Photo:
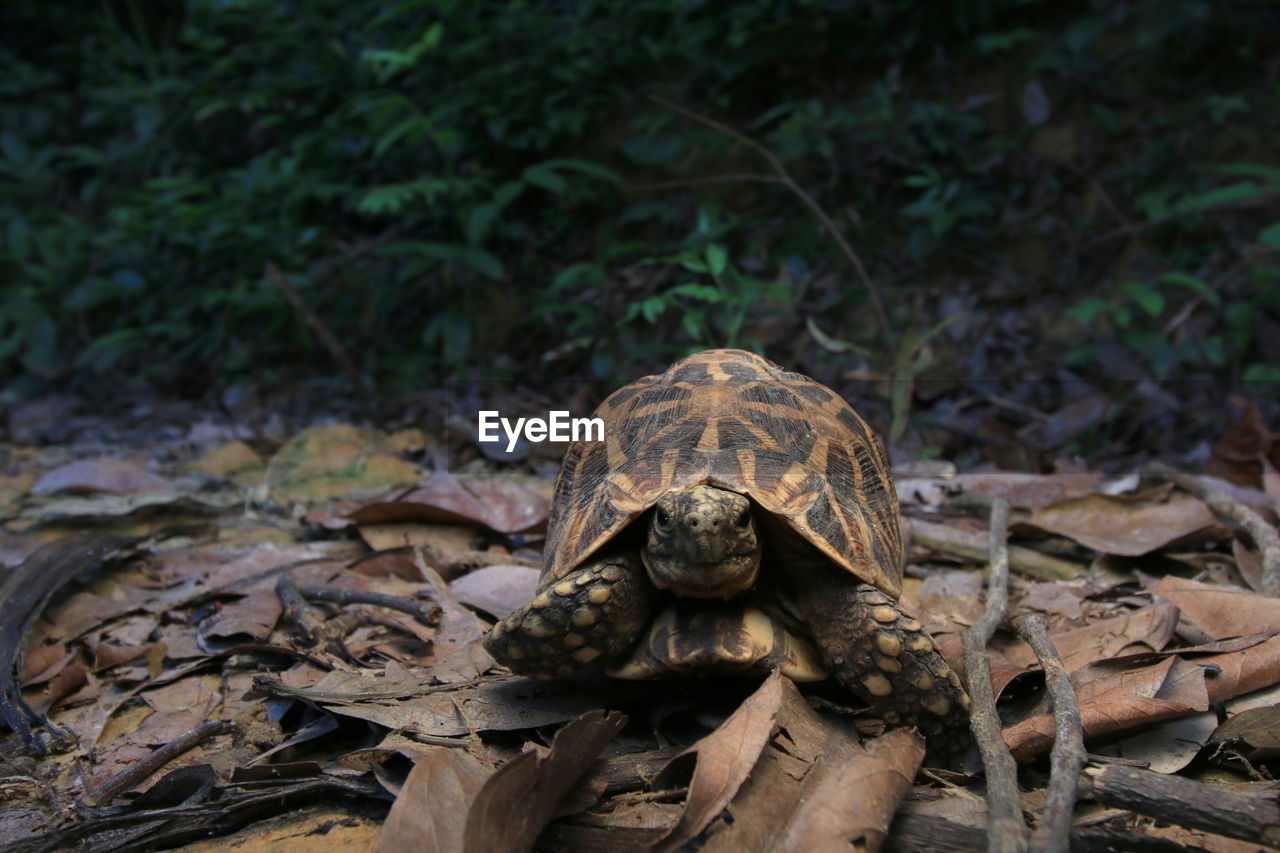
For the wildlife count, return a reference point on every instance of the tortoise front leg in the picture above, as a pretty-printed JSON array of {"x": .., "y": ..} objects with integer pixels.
[
  {"x": 594, "y": 613},
  {"x": 884, "y": 657}
]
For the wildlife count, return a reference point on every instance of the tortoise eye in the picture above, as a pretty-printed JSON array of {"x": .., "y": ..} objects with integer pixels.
[
  {"x": 745, "y": 518},
  {"x": 663, "y": 518}
]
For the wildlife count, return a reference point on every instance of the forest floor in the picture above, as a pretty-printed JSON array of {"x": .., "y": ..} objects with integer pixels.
[{"x": 237, "y": 628}]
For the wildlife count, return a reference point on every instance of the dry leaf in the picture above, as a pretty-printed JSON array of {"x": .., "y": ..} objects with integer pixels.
[
  {"x": 498, "y": 504},
  {"x": 1221, "y": 611},
  {"x": 1151, "y": 626},
  {"x": 430, "y": 811},
  {"x": 818, "y": 789},
  {"x": 724, "y": 759},
  {"x": 497, "y": 590},
  {"x": 100, "y": 475},
  {"x": 1128, "y": 528},
  {"x": 1171, "y": 688},
  {"x": 517, "y": 801},
  {"x": 326, "y": 462},
  {"x": 1029, "y": 491}
]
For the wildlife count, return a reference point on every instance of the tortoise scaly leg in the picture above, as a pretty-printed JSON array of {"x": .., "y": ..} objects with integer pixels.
[
  {"x": 592, "y": 614},
  {"x": 884, "y": 657}
]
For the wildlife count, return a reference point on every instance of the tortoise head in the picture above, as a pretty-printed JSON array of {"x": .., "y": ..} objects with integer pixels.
[{"x": 702, "y": 543}]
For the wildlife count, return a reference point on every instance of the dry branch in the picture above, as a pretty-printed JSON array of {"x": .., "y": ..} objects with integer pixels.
[
  {"x": 1189, "y": 803},
  {"x": 1008, "y": 830},
  {"x": 975, "y": 546},
  {"x": 1207, "y": 490},
  {"x": 1068, "y": 756},
  {"x": 140, "y": 770}
]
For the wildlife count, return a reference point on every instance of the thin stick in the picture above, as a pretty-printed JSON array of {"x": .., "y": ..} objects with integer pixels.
[
  {"x": 1008, "y": 832},
  {"x": 786, "y": 179},
  {"x": 139, "y": 770},
  {"x": 1068, "y": 756},
  {"x": 1206, "y": 489},
  {"x": 427, "y": 615}
]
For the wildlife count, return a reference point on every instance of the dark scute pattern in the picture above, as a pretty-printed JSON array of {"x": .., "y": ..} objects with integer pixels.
[
  {"x": 823, "y": 521},
  {"x": 734, "y": 435},
  {"x": 814, "y": 392},
  {"x": 853, "y": 422},
  {"x": 738, "y": 370},
  {"x": 793, "y": 435},
  {"x": 690, "y": 373},
  {"x": 772, "y": 395}
]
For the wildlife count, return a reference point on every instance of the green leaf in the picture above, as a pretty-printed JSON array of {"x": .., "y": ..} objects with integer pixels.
[
  {"x": 700, "y": 292},
  {"x": 1146, "y": 296},
  {"x": 717, "y": 259},
  {"x": 1265, "y": 379},
  {"x": 1225, "y": 195},
  {"x": 541, "y": 176},
  {"x": 652, "y": 308},
  {"x": 692, "y": 322},
  {"x": 1251, "y": 170},
  {"x": 386, "y": 199},
  {"x": 587, "y": 168},
  {"x": 584, "y": 272},
  {"x": 1085, "y": 311},
  {"x": 1192, "y": 283},
  {"x": 1213, "y": 351},
  {"x": 1270, "y": 235}
]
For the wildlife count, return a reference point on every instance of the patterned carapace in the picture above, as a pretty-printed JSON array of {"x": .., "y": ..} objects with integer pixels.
[{"x": 734, "y": 420}]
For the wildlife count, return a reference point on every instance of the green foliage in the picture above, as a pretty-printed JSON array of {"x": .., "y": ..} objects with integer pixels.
[{"x": 464, "y": 187}]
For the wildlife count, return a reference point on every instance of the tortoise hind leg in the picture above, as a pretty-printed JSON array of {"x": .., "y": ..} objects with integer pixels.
[
  {"x": 592, "y": 614},
  {"x": 884, "y": 657}
]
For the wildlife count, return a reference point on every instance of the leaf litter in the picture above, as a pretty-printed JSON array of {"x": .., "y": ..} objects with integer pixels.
[{"x": 346, "y": 695}]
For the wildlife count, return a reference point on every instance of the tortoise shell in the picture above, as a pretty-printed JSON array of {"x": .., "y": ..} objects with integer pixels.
[{"x": 731, "y": 419}]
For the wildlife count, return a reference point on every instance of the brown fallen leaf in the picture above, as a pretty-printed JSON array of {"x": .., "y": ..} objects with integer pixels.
[
  {"x": 516, "y": 802},
  {"x": 429, "y": 814},
  {"x": 246, "y": 620},
  {"x": 818, "y": 789},
  {"x": 1029, "y": 491},
  {"x": 1151, "y": 626},
  {"x": 1124, "y": 700},
  {"x": 103, "y": 474},
  {"x": 1247, "y": 444},
  {"x": 235, "y": 461},
  {"x": 1221, "y": 611},
  {"x": 500, "y": 505},
  {"x": 497, "y": 590},
  {"x": 1125, "y": 527},
  {"x": 1257, "y": 727},
  {"x": 724, "y": 760}
]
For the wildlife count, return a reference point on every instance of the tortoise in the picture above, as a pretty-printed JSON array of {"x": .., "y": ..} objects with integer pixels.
[{"x": 735, "y": 518}]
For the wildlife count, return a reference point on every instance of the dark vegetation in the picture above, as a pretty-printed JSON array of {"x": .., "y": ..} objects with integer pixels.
[{"x": 1039, "y": 193}]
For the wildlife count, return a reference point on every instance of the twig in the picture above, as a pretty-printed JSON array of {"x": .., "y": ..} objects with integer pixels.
[
  {"x": 1008, "y": 829},
  {"x": 785, "y": 178},
  {"x": 296, "y": 609},
  {"x": 139, "y": 770},
  {"x": 974, "y": 546},
  {"x": 1186, "y": 802},
  {"x": 322, "y": 331},
  {"x": 1263, "y": 534},
  {"x": 1068, "y": 756},
  {"x": 342, "y": 595}
]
